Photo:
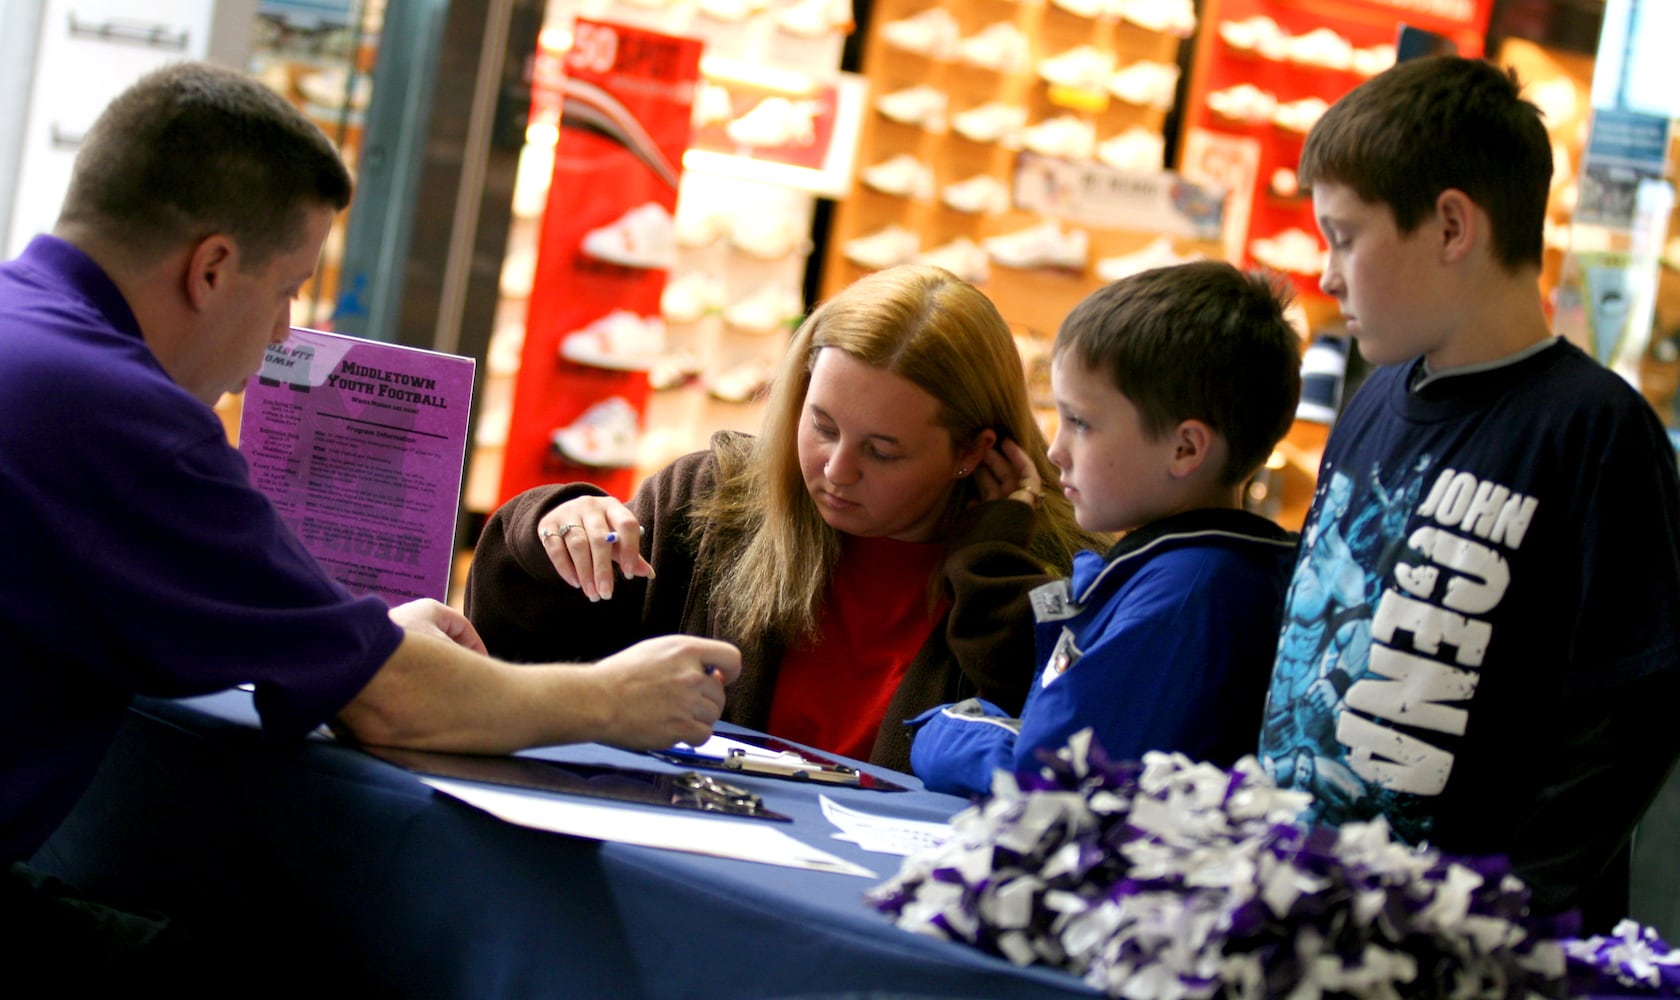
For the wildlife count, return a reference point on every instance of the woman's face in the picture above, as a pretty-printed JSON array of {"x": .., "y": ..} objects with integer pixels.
[{"x": 875, "y": 460}]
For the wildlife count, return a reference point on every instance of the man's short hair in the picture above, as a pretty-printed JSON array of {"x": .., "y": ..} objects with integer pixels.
[
  {"x": 1439, "y": 123},
  {"x": 1199, "y": 341},
  {"x": 194, "y": 149}
]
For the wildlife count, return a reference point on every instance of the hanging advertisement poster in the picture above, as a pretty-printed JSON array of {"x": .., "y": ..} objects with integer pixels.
[
  {"x": 1096, "y": 194},
  {"x": 593, "y": 327},
  {"x": 359, "y": 445},
  {"x": 1625, "y": 149}
]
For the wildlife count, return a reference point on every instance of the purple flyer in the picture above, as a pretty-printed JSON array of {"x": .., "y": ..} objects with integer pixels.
[{"x": 360, "y": 446}]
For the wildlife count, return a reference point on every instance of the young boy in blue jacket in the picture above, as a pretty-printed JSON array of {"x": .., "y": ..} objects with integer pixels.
[{"x": 1172, "y": 387}]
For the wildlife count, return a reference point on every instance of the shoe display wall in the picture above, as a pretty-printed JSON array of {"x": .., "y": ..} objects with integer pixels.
[
  {"x": 1263, "y": 73},
  {"x": 959, "y": 93},
  {"x": 728, "y": 259}
]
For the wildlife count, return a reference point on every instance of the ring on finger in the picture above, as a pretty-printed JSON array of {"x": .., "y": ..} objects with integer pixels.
[{"x": 560, "y": 533}]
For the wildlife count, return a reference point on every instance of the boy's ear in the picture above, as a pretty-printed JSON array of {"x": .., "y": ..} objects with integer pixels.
[
  {"x": 1461, "y": 224},
  {"x": 1193, "y": 446}
]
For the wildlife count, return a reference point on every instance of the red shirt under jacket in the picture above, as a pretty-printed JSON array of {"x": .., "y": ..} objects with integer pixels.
[{"x": 832, "y": 692}]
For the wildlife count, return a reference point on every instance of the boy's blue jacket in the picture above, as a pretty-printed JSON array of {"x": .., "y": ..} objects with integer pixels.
[{"x": 1165, "y": 643}]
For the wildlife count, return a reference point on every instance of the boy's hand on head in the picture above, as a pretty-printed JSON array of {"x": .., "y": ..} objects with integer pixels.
[{"x": 1007, "y": 473}]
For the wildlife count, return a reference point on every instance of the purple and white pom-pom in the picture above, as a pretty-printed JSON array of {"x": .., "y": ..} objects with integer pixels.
[
  {"x": 1166, "y": 879},
  {"x": 1631, "y": 960}
]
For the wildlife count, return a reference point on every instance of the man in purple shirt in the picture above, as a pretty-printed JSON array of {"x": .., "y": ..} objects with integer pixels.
[{"x": 144, "y": 562}]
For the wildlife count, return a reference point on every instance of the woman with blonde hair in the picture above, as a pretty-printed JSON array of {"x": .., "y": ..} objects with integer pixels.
[{"x": 870, "y": 551}]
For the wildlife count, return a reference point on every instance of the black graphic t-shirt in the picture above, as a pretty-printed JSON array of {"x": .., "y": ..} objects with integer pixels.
[{"x": 1491, "y": 559}]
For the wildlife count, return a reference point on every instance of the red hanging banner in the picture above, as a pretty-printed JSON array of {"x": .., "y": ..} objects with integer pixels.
[{"x": 607, "y": 244}]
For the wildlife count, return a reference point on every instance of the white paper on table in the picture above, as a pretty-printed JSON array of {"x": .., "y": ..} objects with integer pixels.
[
  {"x": 745, "y": 839},
  {"x": 721, "y": 746},
  {"x": 883, "y": 834}
]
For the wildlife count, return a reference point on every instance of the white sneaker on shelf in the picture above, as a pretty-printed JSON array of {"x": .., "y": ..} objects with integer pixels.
[
  {"x": 691, "y": 296},
  {"x": 1299, "y": 116},
  {"x": 1084, "y": 67},
  {"x": 699, "y": 224},
  {"x": 816, "y": 18},
  {"x": 773, "y": 308},
  {"x": 775, "y": 121},
  {"x": 1000, "y": 46},
  {"x": 1259, "y": 34},
  {"x": 994, "y": 121},
  {"x": 769, "y": 236},
  {"x": 1083, "y": 8},
  {"x": 743, "y": 383},
  {"x": 933, "y": 32},
  {"x": 884, "y": 247},
  {"x": 1158, "y": 252},
  {"x": 1373, "y": 60},
  {"x": 603, "y": 436},
  {"x": 1321, "y": 47},
  {"x": 519, "y": 273},
  {"x": 673, "y": 370},
  {"x": 981, "y": 194},
  {"x": 643, "y": 237},
  {"x": 1243, "y": 103},
  {"x": 619, "y": 340},
  {"x": 903, "y": 175},
  {"x": 1064, "y": 136},
  {"x": 1146, "y": 83},
  {"x": 1170, "y": 17},
  {"x": 1293, "y": 250},
  {"x": 732, "y": 11},
  {"x": 920, "y": 105},
  {"x": 492, "y": 425},
  {"x": 962, "y": 257},
  {"x": 1137, "y": 150},
  {"x": 712, "y": 104},
  {"x": 507, "y": 348},
  {"x": 1042, "y": 245}
]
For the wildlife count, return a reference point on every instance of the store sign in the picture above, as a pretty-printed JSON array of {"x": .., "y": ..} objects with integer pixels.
[
  {"x": 1624, "y": 150},
  {"x": 1094, "y": 194}
]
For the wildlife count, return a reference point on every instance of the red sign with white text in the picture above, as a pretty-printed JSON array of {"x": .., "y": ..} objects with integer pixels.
[{"x": 607, "y": 244}]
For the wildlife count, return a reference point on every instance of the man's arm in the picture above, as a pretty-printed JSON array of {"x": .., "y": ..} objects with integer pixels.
[{"x": 436, "y": 692}]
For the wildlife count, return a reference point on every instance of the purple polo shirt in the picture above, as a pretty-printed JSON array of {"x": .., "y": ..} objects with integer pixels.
[{"x": 140, "y": 559}]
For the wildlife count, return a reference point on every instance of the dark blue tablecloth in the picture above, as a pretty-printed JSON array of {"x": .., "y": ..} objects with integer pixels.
[{"x": 321, "y": 861}]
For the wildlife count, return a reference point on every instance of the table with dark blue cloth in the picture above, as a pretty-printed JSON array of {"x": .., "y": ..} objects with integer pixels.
[{"x": 338, "y": 868}]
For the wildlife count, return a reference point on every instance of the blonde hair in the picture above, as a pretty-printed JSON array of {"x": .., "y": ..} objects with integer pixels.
[{"x": 927, "y": 326}]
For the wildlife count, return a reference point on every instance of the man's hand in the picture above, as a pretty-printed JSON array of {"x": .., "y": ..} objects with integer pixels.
[
  {"x": 665, "y": 690},
  {"x": 429, "y": 617}
]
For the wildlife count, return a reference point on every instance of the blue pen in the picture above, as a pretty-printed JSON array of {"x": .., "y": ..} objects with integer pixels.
[{"x": 612, "y": 536}]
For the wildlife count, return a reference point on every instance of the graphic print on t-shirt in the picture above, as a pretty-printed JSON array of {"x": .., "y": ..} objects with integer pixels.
[{"x": 1384, "y": 631}]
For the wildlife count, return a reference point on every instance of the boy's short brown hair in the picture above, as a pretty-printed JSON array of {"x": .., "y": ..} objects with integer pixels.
[
  {"x": 1429, "y": 125},
  {"x": 1199, "y": 341}
]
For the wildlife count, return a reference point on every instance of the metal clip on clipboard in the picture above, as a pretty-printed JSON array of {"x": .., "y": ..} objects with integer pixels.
[{"x": 688, "y": 790}]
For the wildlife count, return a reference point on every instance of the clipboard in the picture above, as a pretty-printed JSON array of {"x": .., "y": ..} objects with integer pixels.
[
  {"x": 775, "y": 758},
  {"x": 688, "y": 790}
]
